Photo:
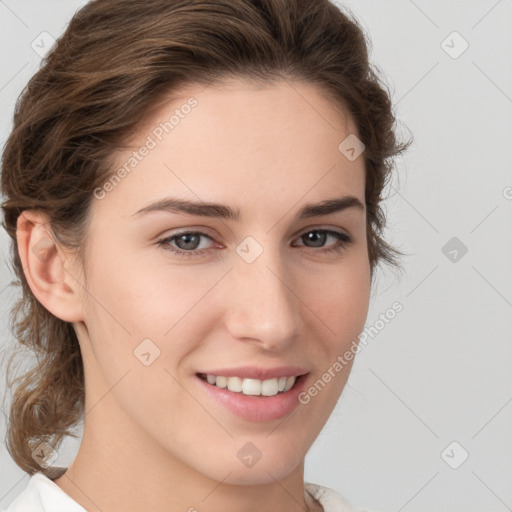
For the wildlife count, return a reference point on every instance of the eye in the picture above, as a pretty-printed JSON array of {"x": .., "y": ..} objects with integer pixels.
[
  {"x": 187, "y": 243},
  {"x": 318, "y": 237}
]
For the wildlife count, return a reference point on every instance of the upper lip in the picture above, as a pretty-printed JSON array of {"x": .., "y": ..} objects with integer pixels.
[{"x": 254, "y": 372}]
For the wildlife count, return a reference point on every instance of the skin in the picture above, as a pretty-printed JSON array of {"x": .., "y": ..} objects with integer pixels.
[{"x": 153, "y": 440}]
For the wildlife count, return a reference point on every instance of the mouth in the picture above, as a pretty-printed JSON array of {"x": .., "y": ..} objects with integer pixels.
[
  {"x": 254, "y": 394},
  {"x": 250, "y": 386}
]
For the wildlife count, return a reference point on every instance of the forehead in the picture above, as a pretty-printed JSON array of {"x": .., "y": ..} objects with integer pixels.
[{"x": 258, "y": 143}]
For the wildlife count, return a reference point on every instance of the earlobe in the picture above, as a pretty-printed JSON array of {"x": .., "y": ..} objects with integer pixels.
[{"x": 45, "y": 265}]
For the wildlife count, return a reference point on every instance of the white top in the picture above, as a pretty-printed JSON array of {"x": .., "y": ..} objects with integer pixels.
[{"x": 43, "y": 495}]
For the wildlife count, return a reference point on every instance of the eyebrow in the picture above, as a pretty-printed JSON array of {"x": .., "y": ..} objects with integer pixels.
[{"x": 216, "y": 210}]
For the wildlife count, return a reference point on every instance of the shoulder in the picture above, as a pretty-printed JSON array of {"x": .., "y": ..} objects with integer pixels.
[
  {"x": 43, "y": 495},
  {"x": 330, "y": 500}
]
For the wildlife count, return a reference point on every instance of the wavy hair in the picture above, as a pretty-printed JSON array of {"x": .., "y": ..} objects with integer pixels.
[{"x": 117, "y": 61}]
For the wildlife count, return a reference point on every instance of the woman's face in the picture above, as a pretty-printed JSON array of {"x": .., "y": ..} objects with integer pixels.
[{"x": 250, "y": 289}]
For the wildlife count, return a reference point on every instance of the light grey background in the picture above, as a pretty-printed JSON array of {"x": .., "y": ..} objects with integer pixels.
[{"x": 439, "y": 372}]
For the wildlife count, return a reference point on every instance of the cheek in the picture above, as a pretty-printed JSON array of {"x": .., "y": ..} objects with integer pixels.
[
  {"x": 341, "y": 296},
  {"x": 133, "y": 317},
  {"x": 147, "y": 297},
  {"x": 341, "y": 307}
]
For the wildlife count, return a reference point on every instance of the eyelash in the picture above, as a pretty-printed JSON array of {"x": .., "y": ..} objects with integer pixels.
[{"x": 343, "y": 240}]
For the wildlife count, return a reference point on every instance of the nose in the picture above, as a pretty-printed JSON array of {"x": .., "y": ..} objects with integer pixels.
[{"x": 264, "y": 307}]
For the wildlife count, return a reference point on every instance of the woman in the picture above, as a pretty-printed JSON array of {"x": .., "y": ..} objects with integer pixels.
[{"x": 193, "y": 194}]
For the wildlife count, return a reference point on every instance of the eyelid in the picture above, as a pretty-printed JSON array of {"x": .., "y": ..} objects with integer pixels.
[
  {"x": 204, "y": 231},
  {"x": 322, "y": 227},
  {"x": 343, "y": 240}
]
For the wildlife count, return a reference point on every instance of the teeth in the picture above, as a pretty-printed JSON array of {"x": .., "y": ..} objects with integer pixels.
[
  {"x": 254, "y": 387},
  {"x": 290, "y": 381},
  {"x": 251, "y": 387},
  {"x": 269, "y": 387},
  {"x": 234, "y": 384},
  {"x": 221, "y": 382}
]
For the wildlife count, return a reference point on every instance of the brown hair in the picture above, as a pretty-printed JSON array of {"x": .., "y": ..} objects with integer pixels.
[{"x": 117, "y": 60}]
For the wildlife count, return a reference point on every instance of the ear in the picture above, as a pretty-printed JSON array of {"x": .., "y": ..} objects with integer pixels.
[{"x": 48, "y": 268}]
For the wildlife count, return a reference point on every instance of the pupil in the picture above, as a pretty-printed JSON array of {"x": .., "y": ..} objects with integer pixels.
[
  {"x": 187, "y": 238},
  {"x": 319, "y": 237}
]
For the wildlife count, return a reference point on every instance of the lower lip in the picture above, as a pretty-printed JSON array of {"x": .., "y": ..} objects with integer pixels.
[{"x": 257, "y": 408}]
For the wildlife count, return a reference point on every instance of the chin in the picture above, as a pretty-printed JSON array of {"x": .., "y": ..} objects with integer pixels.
[
  {"x": 260, "y": 474},
  {"x": 261, "y": 469}
]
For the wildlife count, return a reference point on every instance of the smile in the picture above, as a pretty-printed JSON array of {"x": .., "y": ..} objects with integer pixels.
[
  {"x": 255, "y": 394},
  {"x": 252, "y": 387}
]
